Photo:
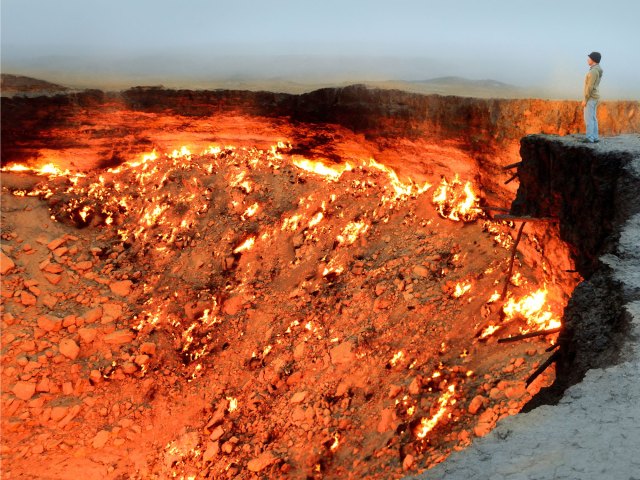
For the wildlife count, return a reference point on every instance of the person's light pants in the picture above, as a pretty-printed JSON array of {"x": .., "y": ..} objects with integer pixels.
[{"x": 591, "y": 120}]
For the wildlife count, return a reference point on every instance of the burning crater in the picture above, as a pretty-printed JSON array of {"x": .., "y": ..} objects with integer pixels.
[{"x": 260, "y": 291}]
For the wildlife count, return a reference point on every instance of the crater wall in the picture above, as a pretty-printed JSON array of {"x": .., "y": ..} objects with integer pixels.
[{"x": 593, "y": 430}]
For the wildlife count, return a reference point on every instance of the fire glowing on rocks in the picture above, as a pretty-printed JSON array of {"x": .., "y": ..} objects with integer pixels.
[
  {"x": 331, "y": 172},
  {"x": 533, "y": 309},
  {"x": 455, "y": 201},
  {"x": 351, "y": 232},
  {"x": 48, "y": 169},
  {"x": 351, "y": 247},
  {"x": 400, "y": 187},
  {"x": 445, "y": 400},
  {"x": 488, "y": 331},
  {"x": 396, "y": 358},
  {"x": 233, "y": 404},
  {"x": 250, "y": 211},
  {"x": 461, "y": 288},
  {"x": 245, "y": 246}
]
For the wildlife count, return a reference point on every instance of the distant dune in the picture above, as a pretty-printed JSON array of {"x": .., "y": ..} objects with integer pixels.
[
  {"x": 19, "y": 84},
  {"x": 458, "y": 86}
]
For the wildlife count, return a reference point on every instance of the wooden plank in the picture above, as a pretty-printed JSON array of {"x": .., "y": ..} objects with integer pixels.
[
  {"x": 523, "y": 218},
  {"x": 513, "y": 165},
  {"x": 515, "y": 338},
  {"x": 511, "y": 179},
  {"x": 553, "y": 358},
  {"x": 513, "y": 257}
]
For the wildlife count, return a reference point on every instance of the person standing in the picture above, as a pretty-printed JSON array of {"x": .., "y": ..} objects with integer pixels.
[{"x": 592, "y": 96}]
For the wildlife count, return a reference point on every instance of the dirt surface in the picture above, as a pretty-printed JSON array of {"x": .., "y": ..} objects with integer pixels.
[{"x": 228, "y": 313}]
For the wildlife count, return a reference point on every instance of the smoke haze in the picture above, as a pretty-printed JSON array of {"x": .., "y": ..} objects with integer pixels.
[{"x": 539, "y": 47}]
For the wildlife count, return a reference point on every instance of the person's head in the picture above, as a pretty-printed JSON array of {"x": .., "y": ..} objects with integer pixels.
[{"x": 593, "y": 58}]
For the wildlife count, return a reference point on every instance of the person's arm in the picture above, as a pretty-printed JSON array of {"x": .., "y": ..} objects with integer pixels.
[{"x": 589, "y": 83}]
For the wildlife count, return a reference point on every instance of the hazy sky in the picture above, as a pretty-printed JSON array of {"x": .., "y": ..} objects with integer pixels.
[{"x": 527, "y": 43}]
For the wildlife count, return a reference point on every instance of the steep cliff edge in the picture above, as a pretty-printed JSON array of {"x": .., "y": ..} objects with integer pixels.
[
  {"x": 108, "y": 127},
  {"x": 592, "y": 193},
  {"x": 593, "y": 431}
]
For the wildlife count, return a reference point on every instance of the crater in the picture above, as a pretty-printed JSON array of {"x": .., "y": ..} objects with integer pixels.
[{"x": 315, "y": 286}]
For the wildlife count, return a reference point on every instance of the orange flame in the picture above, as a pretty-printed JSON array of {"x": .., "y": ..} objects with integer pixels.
[
  {"x": 316, "y": 219},
  {"x": 400, "y": 187},
  {"x": 500, "y": 237},
  {"x": 490, "y": 330},
  {"x": 233, "y": 404},
  {"x": 182, "y": 153},
  {"x": 16, "y": 168},
  {"x": 396, "y": 357},
  {"x": 518, "y": 280},
  {"x": 534, "y": 309},
  {"x": 245, "y": 246},
  {"x": 250, "y": 211},
  {"x": 331, "y": 172},
  {"x": 494, "y": 297},
  {"x": 351, "y": 232},
  {"x": 427, "y": 424},
  {"x": 291, "y": 223},
  {"x": 48, "y": 169},
  {"x": 335, "y": 444},
  {"x": 456, "y": 203},
  {"x": 461, "y": 289}
]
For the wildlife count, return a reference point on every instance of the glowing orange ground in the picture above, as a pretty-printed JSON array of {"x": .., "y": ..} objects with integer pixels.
[{"x": 255, "y": 312}]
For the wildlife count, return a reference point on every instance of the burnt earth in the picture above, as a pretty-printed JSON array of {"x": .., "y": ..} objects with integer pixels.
[{"x": 230, "y": 308}]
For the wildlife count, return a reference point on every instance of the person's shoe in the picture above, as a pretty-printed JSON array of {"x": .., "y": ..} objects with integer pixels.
[
  {"x": 586, "y": 140},
  {"x": 596, "y": 141}
]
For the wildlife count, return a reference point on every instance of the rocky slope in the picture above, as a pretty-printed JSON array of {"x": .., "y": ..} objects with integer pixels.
[{"x": 234, "y": 312}]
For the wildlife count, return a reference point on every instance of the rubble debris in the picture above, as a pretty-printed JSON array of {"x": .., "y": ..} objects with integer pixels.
[{"x": 245, "y": 310}]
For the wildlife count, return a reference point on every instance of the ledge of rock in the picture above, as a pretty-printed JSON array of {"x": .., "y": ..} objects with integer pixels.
[{"x": 593, "y": 431}]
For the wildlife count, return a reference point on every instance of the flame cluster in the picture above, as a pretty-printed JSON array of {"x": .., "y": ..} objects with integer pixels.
[
  {"x": 534, "y": 309},
  {"x": 160, "y": 202},
  {"x": 456, "y": 201},
  {"x": 442, "y": 406},
  {"x": 331, "y": 172},
  {"x": 461, "y": 288},
  {"x": 48, "y": 169}
]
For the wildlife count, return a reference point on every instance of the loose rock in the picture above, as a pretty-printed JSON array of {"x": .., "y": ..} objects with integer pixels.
[
  {"x": 298, "y": 397},
  {"x": 122, "y": 287},
  {"x": 476, "y": 404},
  {"x": 24, "y": 390},
  {"x": 87, "y": 335},
  {"x": 101, "y": 439},
  {"x": 119, "y": 337},
  {"x": 93, "y": 315},
  {"x": 69, "y": 348},
  {"x": 6, "y": 264},
  {"x": 342, "y": 354},
  {"x": 49, "y": 323},
  {"x": 262, "y": 462}
]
